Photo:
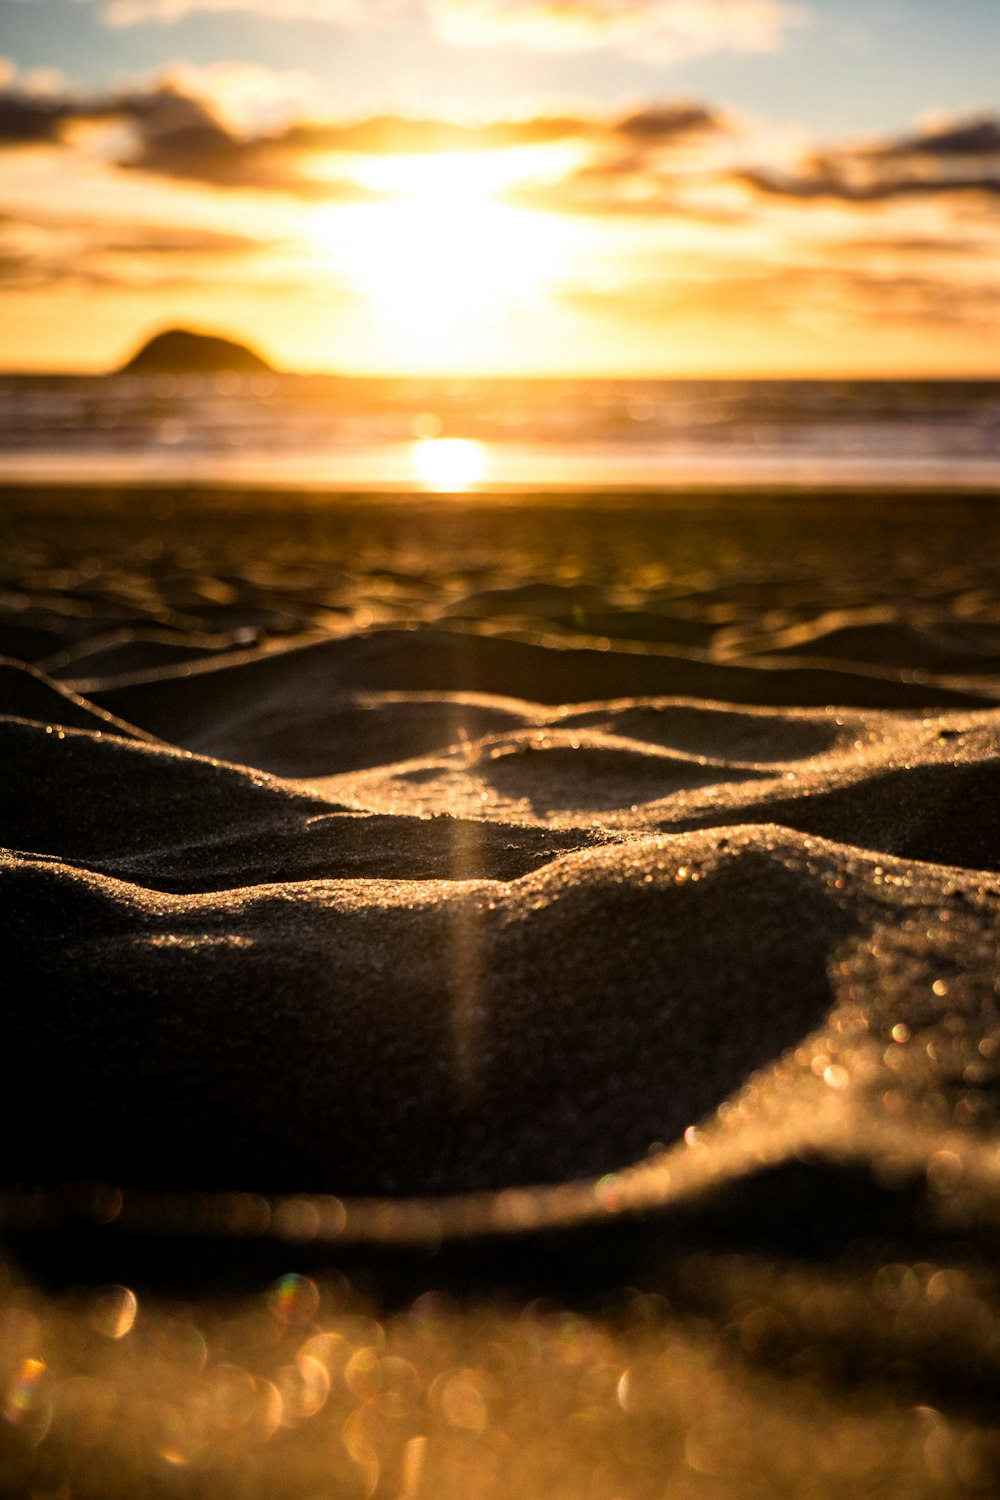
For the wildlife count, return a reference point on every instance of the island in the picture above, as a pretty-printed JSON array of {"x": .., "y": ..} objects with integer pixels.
[{"x": 178, "y": 351}]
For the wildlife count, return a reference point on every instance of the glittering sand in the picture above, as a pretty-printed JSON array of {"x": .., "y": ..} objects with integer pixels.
[{"x": 484, "y": 899}]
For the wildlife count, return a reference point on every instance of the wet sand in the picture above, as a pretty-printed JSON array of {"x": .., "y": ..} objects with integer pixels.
[{"x": 587, "y": 894}]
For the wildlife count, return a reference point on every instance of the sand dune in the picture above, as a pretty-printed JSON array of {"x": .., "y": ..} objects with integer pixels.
[
  {"x": 431, "y": 660},
  {"x": 652, "y": 957}
]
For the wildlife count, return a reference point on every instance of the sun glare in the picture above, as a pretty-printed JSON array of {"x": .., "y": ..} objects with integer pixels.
[
  {"x": 440, "y": 257},
  {"x": 449, "y": 465}
]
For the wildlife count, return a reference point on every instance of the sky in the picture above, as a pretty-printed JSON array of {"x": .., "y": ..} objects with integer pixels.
[{"x": 634, "y": 187}]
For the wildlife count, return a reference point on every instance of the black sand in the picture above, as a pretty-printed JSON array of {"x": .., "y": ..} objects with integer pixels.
[{"x": 459, "y": 874}]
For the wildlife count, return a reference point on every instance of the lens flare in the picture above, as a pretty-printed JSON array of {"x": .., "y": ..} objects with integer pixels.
[
  {"x": 23, "y": 1392},
  {"x": 294, "y": 1299}
]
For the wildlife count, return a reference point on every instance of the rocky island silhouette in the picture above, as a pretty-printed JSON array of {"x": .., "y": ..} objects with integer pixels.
[{"x": 181, "y": 351}]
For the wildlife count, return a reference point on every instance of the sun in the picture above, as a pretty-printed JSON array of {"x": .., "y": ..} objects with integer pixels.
[{"x": 441, "y": 255}]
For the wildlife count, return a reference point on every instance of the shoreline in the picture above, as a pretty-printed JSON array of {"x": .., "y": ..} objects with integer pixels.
[{"x": 409, "y": 496}]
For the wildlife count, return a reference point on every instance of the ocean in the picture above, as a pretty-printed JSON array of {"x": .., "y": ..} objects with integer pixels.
[{"x": 365, "y": 434}]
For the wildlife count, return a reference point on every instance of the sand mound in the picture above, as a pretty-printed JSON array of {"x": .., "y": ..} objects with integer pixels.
[
  {"x": 435, "y": 661},
  {"x": 503, "y": 1028},
  {"x": 185, "y": 823},
  {"x": 943, "y": 814},
  {"x": 876, "y": 637}
]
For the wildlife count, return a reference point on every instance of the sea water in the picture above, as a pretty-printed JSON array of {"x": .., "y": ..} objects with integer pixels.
[{"x": 347, "y": 434}]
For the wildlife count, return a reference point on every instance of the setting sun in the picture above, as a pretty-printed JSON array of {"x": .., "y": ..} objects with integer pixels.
[{"x": 441, "y": 252}]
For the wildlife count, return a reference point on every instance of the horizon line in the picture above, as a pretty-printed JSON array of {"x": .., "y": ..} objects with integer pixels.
[{"x": 482, "y": 377}]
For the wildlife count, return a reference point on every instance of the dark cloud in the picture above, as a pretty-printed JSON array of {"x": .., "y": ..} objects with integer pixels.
[
  {"x": 666, "y": 123},
  {"x": 655, "y": 160},
  {"x": 178, "y": 135},
  {"x": 26, "y": 120},
  {"x": 841, "y": 185},
  {"x": 962, "y": 157},
  {"x": 975, "y": 138}
]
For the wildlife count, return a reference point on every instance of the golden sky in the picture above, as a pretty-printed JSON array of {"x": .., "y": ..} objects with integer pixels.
[{"x": 591, "y": 208}]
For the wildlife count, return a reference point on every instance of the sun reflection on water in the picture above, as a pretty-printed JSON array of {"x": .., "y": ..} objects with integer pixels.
[{"x": 449, "y": 465}]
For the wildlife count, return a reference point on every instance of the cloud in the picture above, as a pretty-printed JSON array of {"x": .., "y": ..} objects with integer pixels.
[
  {"x": 790, "y": 294},
  {"x": 182, "y": 137},
  {"x": 179, "y": 136},
  {"x": 912, "y": 245},
  {"x": 836, "y": 186},
  {"x": 731, "y": 226},
  {"x": 974, "y": 138},
  {"x": 248, "y": 98},
  {"x": 660, "y": 124},
  {"x": 392, "y": 135},
  {"x": 348, "y": 13},
  {"x": 719, "y": 291},
  {"x": 236, "y": 129},
  {"x": 687, "y": 161},
  {"x": 204, "y": 126},
  {"x": 959, "y": 158},
  {"x": 169, "y": 240},
  {"x": 26, "y": 119},
  {"x": 397, "y": 135},
  {"x": 18, "y": 269},
  {"x": 658, "y": 31},
  {"x": 622, "y": 189},
  {"x": 908, "y": 299},
  {"x": 653, "y": 199},
  {"x": 39, "y": 250},
  {"x": 642, "y": 163},
  {"x": 132, "y": 237}
]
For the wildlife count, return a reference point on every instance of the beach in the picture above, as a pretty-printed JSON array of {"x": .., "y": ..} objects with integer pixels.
[{"x": 507, "y": 985}]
